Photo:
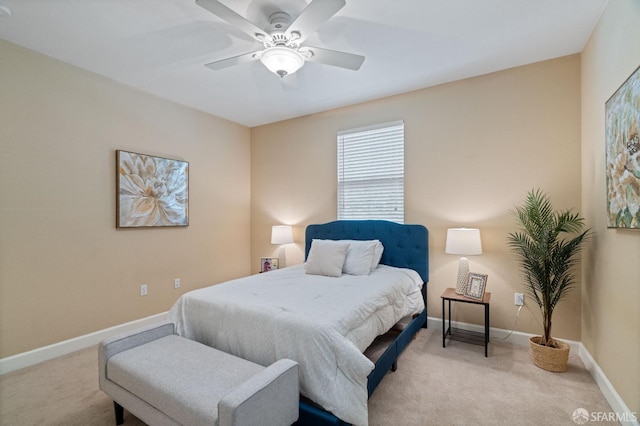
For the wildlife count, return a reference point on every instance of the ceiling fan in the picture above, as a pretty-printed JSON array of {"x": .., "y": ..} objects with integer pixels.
[{"x": 283, "y": 53}]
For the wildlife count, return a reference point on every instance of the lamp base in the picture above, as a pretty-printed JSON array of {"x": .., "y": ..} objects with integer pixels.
[
  {"x": 282, "y": 257},
  {"x": 463, "y": 271}
]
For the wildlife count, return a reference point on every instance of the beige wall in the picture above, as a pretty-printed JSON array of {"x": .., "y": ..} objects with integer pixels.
[
  {"x": 65, "y": 270},
  {"x": 473, "y": 149},
  {"x": 611, "y": 288}
]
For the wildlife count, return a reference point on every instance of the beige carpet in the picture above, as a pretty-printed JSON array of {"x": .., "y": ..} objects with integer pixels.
[{"x": 456, "y": 385}]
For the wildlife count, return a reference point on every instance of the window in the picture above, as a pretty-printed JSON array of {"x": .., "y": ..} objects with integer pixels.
[{"x": 371, "y": 173}]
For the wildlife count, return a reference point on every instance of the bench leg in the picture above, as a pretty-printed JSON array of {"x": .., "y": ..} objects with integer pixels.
[{"x": 119, "y": 413}]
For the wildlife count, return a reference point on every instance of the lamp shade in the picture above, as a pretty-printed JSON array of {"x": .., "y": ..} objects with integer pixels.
[
  {"x": 281, "y": 60},
  {"x": 281, "y": 234},
  {"x": 463, "y": 241}
]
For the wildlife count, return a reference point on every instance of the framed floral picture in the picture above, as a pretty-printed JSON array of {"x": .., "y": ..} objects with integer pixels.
[
  {"x": 151, "y": 191},
  {"x": 622, "y": 135}
]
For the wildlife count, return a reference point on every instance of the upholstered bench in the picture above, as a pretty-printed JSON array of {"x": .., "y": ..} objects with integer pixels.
[{"x": 164, "y": 379}]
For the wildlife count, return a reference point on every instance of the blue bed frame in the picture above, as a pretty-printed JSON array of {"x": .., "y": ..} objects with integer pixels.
[{"x": 405, "y": 246}]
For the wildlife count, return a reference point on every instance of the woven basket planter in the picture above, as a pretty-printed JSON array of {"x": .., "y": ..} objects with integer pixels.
[{"x": 548, "y": 358}]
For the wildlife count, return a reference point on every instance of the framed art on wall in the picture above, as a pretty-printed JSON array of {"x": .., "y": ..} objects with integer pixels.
[
  {"x": 622, "y": 136},
  {"x": 151, "y": 191}
]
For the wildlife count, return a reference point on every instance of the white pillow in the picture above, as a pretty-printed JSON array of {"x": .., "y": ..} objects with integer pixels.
[
  {"x": 359, "y": 257},
  {"x": 377, "y": 255},
  {"x": 326, "y": 257}
]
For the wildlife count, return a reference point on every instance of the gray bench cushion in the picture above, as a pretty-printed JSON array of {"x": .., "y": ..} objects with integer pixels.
[{"x": 184, "y": 394}]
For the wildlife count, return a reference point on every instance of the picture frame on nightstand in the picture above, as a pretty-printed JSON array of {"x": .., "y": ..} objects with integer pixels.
[
  {"x": 268, "y": 264},
  {"x": 476, "y": 284}
]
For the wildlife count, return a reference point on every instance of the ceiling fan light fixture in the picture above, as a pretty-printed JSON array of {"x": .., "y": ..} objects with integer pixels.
[{"x": 281, "y": 60}]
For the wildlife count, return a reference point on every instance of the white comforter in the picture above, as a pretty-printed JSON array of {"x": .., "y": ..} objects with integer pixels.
[{"x": 322, "y": 323}]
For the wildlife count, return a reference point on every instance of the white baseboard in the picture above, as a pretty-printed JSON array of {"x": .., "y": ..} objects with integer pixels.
[
  {"x": 607, "y": 389},
  {"x": 45, "y": 353},
  {"x": 625, "y": 416}
]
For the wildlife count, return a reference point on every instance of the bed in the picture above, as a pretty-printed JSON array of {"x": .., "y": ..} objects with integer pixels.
[{"x": 345, "y": 331}]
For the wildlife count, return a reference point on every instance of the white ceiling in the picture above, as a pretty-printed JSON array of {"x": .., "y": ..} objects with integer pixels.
[{"x": 161, "y": 46}]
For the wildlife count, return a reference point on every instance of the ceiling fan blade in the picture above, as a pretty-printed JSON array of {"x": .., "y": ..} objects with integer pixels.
[
  {"x": 335, "y": 58},
  {"x": 238, "y": 21},
  {"x": 314, "y": 15},
  {"x": 229, "y": 62}
]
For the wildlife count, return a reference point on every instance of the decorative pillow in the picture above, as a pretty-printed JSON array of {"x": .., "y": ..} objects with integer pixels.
[
  {"x": 359, "y": 257},
  {"x": 326, "y": 257}
]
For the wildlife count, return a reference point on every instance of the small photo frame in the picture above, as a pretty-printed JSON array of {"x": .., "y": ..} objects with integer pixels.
[
  {"x": 476, "y": 284},
  {"x": 268, "y": 264}
]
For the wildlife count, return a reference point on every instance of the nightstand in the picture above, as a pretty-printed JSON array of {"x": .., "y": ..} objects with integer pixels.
[{"x": 473, "y": 337}]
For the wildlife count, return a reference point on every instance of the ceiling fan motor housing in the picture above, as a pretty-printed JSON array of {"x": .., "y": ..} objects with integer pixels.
[{"x": 280, "y": 21}]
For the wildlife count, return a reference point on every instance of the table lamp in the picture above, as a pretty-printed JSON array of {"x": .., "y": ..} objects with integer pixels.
[
  {"x": 281, "y": 234},
  {"x": 464, "y": 242}
]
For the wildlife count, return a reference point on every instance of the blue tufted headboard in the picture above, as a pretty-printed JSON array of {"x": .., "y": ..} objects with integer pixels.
[{"x": 405, "y": 246}]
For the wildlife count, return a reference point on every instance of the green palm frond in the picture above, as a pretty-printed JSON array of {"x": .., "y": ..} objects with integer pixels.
[{"x": 547, "y": 256}]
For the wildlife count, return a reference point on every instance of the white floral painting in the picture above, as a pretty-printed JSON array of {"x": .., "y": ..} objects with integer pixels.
[
  {"x": 623, "y": 154},
  {"x": 152, "y": 191}
]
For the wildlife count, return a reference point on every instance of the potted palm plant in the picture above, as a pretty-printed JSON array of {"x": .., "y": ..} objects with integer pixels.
[{"x": 547, "y": 245}]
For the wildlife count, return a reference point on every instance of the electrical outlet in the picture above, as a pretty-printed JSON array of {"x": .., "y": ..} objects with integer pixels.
[
  {"x": 143, "y": 290},
  {"x": 176, "y": 283},
  {"x": 518, "y": 299}
]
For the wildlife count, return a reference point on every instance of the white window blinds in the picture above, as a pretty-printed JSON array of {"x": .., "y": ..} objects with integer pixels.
[{"x": 371, "y": 173}]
